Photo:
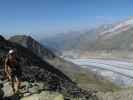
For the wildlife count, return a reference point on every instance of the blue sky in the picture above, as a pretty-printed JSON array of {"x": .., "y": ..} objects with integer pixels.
[{"x": 53, "y": 16}]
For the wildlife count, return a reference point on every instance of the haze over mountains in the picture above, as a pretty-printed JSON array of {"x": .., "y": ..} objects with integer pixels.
[{"x": 115, "y": 36}]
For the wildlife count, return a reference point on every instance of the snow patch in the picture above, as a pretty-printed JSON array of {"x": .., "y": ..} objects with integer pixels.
[{"x": 122, "y": 26}]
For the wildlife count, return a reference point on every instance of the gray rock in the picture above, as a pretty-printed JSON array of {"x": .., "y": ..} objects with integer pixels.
[
  {"x": 45, "y": 95},
  {"x": 7, "y": 90}
]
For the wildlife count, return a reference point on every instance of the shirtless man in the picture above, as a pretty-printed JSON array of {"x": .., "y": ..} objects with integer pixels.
[{"x": 13, "y": 70}]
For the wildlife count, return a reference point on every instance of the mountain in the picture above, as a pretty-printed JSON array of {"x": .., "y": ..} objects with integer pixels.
[
  {"x": 119, "y": 37},
  {"x": 74, "y": 39},
  {"x": 115, "y": 36},
  {"x": 33, "y": 45},
  {"x": 42, "y": 79},
  {"x": 36, "y": 70},
  {"x": 84, "y": 78},
  {"x": 117, "y": 28}
]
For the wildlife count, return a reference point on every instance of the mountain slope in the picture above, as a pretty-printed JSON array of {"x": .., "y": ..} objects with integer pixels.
[
  {"x": 28, "y": 57},
  {"x": 35, "y": 69}
]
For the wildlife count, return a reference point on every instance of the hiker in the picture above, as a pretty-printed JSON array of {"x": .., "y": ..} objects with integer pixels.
[{"x": 12, "y": 70}]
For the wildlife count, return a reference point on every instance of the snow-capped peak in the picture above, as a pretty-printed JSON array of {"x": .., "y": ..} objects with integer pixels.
[{"x": 119, "y": 27}]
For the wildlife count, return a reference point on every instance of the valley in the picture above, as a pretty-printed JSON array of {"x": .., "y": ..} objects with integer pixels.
[{"x": 119, "y": 72}]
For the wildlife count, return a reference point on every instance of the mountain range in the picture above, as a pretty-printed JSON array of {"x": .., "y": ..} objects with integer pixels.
[
  {"x": 41, "y": 66},
  {"x": 115, "y": 36}
]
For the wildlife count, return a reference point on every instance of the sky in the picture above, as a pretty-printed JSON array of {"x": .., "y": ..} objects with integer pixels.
[{"x": 48, "y": 17}]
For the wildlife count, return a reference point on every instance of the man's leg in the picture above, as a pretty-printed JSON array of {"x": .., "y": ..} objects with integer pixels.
[
  {"x": 13, "y": 85},
  {"x": 8, "y": 74},
  {"x": 18, "y": 84}
]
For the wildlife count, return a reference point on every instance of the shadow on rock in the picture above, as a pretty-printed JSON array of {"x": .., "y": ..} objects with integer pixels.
[{"x": 14, "y": 97}]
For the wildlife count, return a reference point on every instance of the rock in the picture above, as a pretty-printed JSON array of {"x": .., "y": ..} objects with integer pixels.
[
  {"x": 25, "y": 86},
  {"x": 7, "y": 90},
  {"x": 34, "y": 89},
  {"x": 29, "y": 91},
  {"x": 45, "y": 95},
  {"x": 32, "y": 97},
  {"x": 27, "y": 94},
  {"x": 40, "y": 85}
]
